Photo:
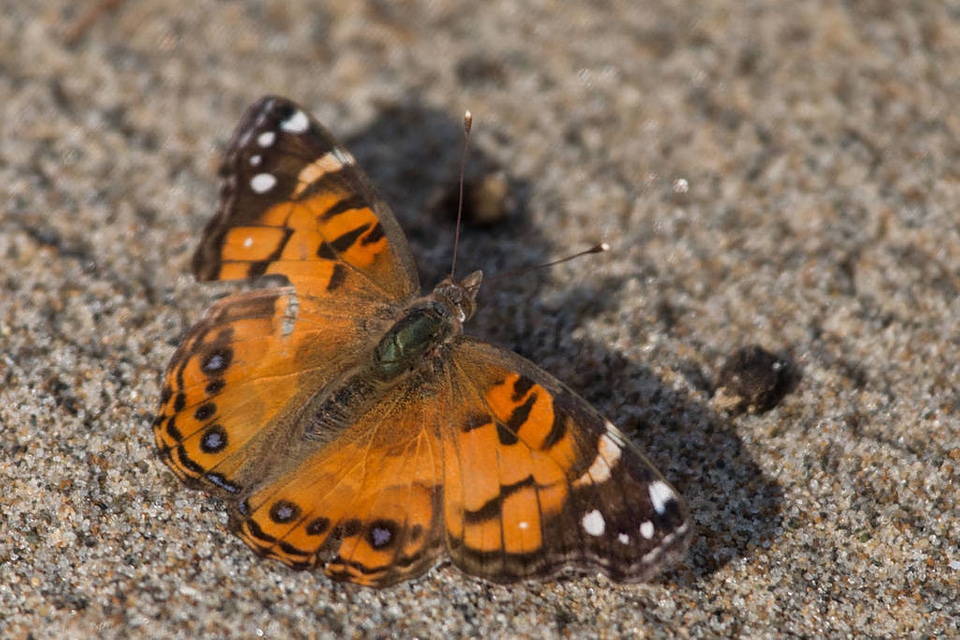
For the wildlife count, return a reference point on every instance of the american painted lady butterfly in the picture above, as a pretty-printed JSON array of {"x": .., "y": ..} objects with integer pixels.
[{"x": 350, "y": 424}]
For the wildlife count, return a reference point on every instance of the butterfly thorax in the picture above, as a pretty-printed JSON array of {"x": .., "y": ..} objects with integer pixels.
[
  {"x": 410, "y": 347},
  {"x": 426, "y": 325}
]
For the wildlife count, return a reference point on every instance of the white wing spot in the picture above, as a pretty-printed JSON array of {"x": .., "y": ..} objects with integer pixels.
[
  {"x": 623, "y": 538},
  {"x": 615, "y": 434},
  {"x": 608, "y": 454},
  {"x": 248, "y": 242},
  {"x": 297, "y": 123},
  {"x": 610, "y": 450},
  {"x": 215, "y": 363},
  {"x": 593, "y": 523},
  {"x": 660, "y": 495},
  {"x": 255, "y": 160},
  {"x": 647, "y": 529},
  {"x": 290, "y": 315},
  {"x": 267, "y": 138},
  {"x": 380, "y": 536},
  {"x": 262, "y": 182},
  {"x": 650, "y": 557},
  {"x": 523, "y": 525}
]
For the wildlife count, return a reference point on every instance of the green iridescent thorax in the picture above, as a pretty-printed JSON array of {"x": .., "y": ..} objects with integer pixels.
[{"x": 427, "y": 325}]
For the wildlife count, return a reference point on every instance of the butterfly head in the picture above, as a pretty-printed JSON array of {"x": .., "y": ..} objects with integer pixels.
[{"x": 460, "y": 297}]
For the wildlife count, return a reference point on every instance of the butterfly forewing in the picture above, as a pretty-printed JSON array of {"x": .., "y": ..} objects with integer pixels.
[
  {"x": 367, "y": 506},
  {"x": 538, "y": 481},
  {"x": 294, "y": 203}
]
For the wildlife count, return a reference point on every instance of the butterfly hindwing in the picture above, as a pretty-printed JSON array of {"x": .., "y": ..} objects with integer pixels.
[
  {"x": 517, "y": 475},
  {"x": 367, "y": 506}
]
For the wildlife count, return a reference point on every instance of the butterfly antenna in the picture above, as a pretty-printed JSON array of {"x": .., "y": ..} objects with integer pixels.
[
  {"x": 597, "y": 248},
  {"x": 467, "y": 123}
]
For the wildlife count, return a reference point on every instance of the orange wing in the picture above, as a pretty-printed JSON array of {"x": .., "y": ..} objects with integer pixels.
[
  {"x": 480, "y": 454},
  {"x": 536, "y": 480},
  {"x": 241, "y": 380},
  {"x": 367, "y": 505},
  {"x": 292, "y": 204}
]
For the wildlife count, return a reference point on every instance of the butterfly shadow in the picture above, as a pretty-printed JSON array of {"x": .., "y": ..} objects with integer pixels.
[{"x": 413, "y": 154}]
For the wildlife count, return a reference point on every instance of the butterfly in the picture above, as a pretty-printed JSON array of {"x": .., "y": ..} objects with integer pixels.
[{"x": 350, "y": 424}]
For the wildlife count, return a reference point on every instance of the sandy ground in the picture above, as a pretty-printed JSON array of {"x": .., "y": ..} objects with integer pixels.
[{"x": 773, "y": 173}]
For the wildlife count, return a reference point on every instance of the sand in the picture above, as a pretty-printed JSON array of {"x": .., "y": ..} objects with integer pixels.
[{"x": 781, "y": 174}]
